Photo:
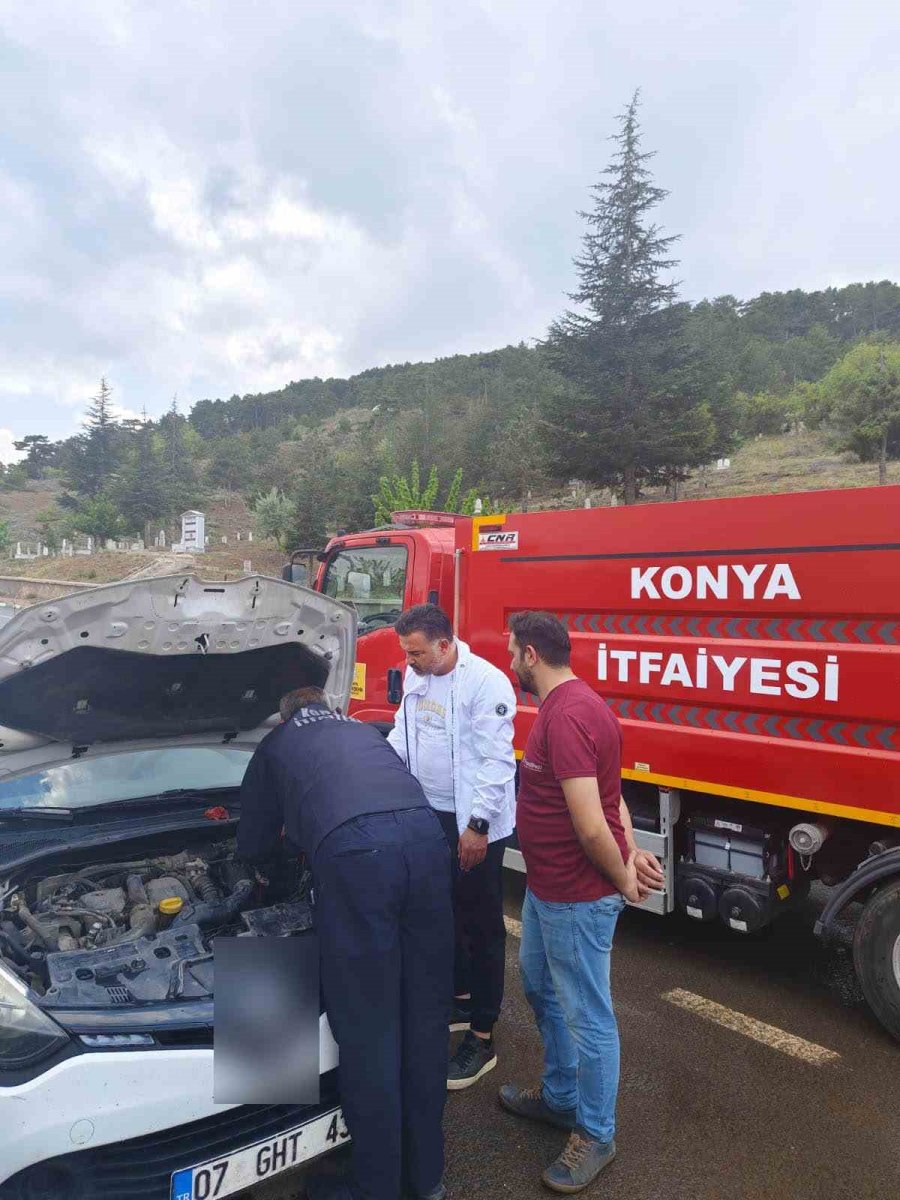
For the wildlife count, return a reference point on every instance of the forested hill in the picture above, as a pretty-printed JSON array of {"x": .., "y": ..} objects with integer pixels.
[
  {"x": 310, "y": 458},
  {"x": 767, "y": 344}
]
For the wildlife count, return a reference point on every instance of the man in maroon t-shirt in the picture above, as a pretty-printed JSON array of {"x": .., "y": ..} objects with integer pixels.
[{"x": 582, "y": 865}]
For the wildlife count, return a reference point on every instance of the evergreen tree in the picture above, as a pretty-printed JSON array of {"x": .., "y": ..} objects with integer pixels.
[
  {"x": 140, "y": 487},
  {"x": 232, "y": 464},
  {"x": 178, "y": 461},
  {"x": 631, "y": 412},
  {"x": 275, "y": 517},
  {"x": 39, "y": 454},
  {"x": 90, "y": 458}
]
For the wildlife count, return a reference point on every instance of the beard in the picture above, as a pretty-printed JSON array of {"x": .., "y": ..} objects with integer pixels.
[{"x": 526, "y": 678}]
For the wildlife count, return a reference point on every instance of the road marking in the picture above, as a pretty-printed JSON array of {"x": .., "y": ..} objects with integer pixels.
[
  {"x": 768, "y": 1035},
  {"x": 513, "y": 926}
]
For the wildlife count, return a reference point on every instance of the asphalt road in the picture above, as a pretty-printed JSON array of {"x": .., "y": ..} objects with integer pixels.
[{"x": 706, "y": 1111}]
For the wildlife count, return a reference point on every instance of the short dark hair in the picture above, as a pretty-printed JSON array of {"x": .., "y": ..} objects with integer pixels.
[
  {"x": 300, "y": 698},
  {"x": 427, "y": 619},
  {"x": 545, "y": 633}
]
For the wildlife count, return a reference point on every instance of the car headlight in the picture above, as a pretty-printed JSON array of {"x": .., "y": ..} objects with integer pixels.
[{"x": 26, "y": 1032}]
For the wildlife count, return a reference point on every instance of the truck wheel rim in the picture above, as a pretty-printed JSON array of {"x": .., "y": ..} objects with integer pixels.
[{"x": 897, "y": 962}]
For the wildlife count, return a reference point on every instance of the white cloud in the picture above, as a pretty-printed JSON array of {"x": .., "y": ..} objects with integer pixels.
[
  {"x": 234, "y": 201},
  {"x": 8, "y": 452}
]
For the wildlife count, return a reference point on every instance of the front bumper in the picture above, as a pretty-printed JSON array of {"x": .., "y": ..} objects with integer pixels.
[
  {"x": 142, "y": 1168},
  {"x": 124, "y": 1120}
]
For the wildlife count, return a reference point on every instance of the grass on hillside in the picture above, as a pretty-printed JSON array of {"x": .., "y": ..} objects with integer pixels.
[
  {"x": 102, "y": 567},
  {"x": 800, "y": 462}
]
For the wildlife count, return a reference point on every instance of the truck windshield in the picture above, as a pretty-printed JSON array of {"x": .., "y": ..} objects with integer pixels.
[{"x": 372, "y": 580}]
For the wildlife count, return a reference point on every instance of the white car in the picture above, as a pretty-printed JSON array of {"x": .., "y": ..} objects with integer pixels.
[{"x": 127, "y": 717}]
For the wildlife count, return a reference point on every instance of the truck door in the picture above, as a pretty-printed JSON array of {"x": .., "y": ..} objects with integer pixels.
[{"x": 375, "y": 580}]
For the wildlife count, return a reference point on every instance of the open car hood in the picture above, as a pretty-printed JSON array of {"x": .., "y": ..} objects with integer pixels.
[{"x": 167, "y": 661}]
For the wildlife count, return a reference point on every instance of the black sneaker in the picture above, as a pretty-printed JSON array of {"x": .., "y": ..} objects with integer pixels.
[
  {"x": 474, "y": 1058},
  {"x": 439, "y": 1193},
  {"x": 460, "y": 1018},
  {"x": 530, "y": 1103},
  {"x": 579, "y": 1164}
]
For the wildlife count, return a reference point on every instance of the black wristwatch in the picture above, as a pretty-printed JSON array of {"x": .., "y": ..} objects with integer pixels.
[{"x": 479, "y": 825}]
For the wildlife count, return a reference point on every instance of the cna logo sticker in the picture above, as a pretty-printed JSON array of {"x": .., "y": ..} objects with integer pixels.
[{"x": 499, "y": 539}]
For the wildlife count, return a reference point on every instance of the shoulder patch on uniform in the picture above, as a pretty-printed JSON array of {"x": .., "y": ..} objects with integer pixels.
[{"x": 501, "y": 710}]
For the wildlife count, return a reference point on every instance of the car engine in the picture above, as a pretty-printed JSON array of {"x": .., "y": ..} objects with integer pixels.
[{"x": 141, "y": 931}]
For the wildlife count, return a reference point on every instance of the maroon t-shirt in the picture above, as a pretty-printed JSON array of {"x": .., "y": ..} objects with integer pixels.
[{"x": 574, "y": 736}]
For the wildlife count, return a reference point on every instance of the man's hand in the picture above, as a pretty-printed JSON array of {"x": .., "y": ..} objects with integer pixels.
[
  {"x": 472, "y": 849},
  {"x": 630, "y": 888},
  {"x": 649, "y": 873}
]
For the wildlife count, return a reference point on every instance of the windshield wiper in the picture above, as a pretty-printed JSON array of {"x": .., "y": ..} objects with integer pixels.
[
  {"x": 173, "y": 794},
  {"x": 43, "y": 812},
  {"x": 40, "y": 812}
]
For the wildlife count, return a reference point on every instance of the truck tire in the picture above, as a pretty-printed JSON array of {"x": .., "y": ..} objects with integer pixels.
[{"x": 876, "y": 954}]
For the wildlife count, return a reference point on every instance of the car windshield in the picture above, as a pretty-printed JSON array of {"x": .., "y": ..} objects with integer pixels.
[{"x": 126, "y": 776}]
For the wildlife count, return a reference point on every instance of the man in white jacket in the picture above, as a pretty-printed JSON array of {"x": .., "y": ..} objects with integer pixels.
[{"x": 454, "y": 730}]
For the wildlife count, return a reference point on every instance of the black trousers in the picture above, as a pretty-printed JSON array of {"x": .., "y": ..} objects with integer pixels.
[
  {"x": 479, "y": 930},
  {"x": 385, "y": 928}
]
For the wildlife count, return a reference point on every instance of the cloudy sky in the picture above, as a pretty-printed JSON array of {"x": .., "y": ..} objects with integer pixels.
[{"x": 203, "y": 197}]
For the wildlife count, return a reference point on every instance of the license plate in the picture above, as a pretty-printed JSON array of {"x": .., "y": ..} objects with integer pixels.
[{"x": 243, "y": 1168}]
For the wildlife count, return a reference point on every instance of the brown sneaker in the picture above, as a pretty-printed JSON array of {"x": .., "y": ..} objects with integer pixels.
[
  {"x": 530, "y": 1103},
  {"x": 579, "y": 1164}
]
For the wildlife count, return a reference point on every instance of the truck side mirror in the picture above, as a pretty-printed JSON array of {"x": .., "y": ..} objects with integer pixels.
[
  {"x": 294, "y": 572},
  {"x": 394, "y": 686}
]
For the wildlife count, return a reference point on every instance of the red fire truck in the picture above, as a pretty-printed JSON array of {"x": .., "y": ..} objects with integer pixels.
[{"x": 750, "y": 648}]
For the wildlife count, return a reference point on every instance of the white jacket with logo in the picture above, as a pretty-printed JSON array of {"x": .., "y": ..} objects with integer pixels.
[{"x": 480, "y": 731}]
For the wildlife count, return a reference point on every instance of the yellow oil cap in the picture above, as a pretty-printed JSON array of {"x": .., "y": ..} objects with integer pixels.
[{"x": 171, "y": 906}]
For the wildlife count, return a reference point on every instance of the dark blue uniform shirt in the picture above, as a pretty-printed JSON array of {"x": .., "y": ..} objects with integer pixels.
[{"x": 314, "y": 773}]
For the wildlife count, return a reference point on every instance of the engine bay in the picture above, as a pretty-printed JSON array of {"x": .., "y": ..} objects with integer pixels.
[{"x": 141, "y": 929}]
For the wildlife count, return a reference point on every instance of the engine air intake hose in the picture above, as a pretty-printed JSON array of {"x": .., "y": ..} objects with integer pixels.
[{"x": 216, "y": 912}]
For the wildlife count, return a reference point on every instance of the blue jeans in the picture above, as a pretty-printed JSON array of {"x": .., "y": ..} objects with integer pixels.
[{"x": 565, "y": 970}]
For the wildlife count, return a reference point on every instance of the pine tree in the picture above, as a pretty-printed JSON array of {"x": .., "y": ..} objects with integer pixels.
[
  {"x": 39, "y": 453},
  {"x": 140, "y": 487},
  {"x": 630, "y": 413},
  {"x": 178, "y": 461},
  {"x": 91, "y": 458}
]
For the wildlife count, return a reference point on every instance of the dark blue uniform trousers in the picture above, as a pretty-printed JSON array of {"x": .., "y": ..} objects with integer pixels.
[{"x": 385, "y": 923}]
